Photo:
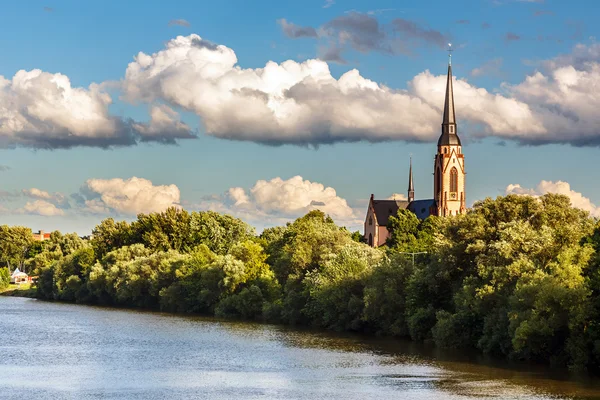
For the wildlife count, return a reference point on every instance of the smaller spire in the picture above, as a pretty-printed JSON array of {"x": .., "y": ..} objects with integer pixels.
[{"x": 411, "y": 187}]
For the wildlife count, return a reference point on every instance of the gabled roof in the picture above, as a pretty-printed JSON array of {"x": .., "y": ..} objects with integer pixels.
[
  {"x": 16, "y": 272},
  {"x": 385, "y": 208}
]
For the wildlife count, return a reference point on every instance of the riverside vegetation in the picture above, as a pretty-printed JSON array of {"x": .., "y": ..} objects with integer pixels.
[{"x": 516, "y": 277}]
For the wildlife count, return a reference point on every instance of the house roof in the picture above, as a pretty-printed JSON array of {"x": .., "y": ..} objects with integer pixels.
[
  {"x": 386, "y": 208},
  {"x": 16, "y": 272}
]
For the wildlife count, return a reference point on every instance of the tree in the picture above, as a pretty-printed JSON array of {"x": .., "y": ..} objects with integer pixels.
[
  {"x": 109, "y": 236},
  {"x": 217, "y": 231},
  {"x": 15, "y": 243}
]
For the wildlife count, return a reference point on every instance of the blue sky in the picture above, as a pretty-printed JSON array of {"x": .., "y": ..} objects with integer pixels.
[{"x": 498, "y": 44}]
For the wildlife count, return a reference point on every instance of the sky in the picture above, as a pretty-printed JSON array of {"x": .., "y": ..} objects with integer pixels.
[{"x": 266, "y": 110}]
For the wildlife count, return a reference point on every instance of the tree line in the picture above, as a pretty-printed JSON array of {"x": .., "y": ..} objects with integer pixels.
[{"x": 516, "y": 277}]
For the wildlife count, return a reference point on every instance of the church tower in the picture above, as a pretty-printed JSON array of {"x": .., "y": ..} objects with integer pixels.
[{"x": 449, "y": 166}]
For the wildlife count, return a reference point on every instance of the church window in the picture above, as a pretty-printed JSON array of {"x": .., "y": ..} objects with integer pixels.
[
  {"x": 370, "y": 220},
  {"x": 445, "y": 151},
  {"x": 451, "y": 129},
  {"x": 453, "y": 180},
  {"x": 439, "y": 183}
]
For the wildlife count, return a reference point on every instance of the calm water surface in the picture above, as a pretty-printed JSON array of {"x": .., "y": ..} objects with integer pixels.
[{"x": 60, "y": 351}]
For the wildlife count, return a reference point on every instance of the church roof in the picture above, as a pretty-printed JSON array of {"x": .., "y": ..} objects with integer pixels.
[
  {"x": 446, "y": 137},
  {"x": 386, "y": 208},
  {"x": 421, "y": 208}
]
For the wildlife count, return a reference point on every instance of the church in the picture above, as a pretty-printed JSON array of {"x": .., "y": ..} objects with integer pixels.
[{"x": 448, "y": 182}]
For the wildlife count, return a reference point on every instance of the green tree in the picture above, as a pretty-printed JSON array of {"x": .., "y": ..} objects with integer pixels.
[
  {"x": 15, "y": 243},
  {"x": 109, "y": 236}
]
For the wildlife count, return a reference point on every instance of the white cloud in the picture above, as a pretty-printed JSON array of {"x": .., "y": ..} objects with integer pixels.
[
  {"x": 131, "y": 196},
  {"x": 41, "y": 207},
  {"x": 42, "y": 110},
  {"x": 278, "y": 201},
  {"x": 560, "y": 187},
  {"x": 290, "y": 102},
  {"x": 57, "y": 199},
  {"x": 302, "y": 103}
]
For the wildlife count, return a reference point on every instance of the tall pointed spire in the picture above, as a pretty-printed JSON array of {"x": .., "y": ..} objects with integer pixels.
[
  {"x": 449, "y": 132},
  {"x": 411, "y": 187},
  {"x": 449, "y": 116}
]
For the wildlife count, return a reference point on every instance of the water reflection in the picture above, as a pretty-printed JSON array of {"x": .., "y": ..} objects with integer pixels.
[{"x": 56, "y": 351}]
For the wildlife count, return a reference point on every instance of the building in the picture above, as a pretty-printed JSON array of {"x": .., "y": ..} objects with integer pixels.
[
  {"x": 18, "y": 277},
  {"x": 41, "y": 236},
  {"x": 448, "y": 181}
]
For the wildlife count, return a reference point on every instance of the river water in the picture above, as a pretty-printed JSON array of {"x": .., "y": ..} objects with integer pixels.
[{"x": 63, "y": 351}]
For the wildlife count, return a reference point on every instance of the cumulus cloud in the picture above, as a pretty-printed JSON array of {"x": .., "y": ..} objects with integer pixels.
[
  {"x": 291, "y": 102},
  {"x": 56, "y": 199},
  {"x": 302, "y": 103},
  {"x": 559, "y": 187},
  {"x": 127, "y": 196},
  {"x": 277, "y": 201},
  {"x": 41, "y": 207},
  {"x": 42, "y": 110}
]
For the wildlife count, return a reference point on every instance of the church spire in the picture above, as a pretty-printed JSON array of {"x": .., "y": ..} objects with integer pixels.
[
  {"x": 449, "y": 132},
  {"x": 411, "y": 187}
]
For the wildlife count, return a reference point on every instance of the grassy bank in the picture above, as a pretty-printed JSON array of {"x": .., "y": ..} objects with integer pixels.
[{"x": 24, "y": 290}]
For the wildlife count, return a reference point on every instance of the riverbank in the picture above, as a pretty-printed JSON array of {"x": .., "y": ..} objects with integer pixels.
[{"x": 19, "y": 291}]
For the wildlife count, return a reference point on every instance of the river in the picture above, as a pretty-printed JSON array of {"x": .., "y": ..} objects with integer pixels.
[{"x": 64, "y": 351}]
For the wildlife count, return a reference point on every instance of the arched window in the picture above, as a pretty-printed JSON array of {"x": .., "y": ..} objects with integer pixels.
[
  {"x": 370, "y": 220},
  {"x": 371, "y": 239},
  {"x": 453, "y": 180},
  {"x": 440, "y": 180}
]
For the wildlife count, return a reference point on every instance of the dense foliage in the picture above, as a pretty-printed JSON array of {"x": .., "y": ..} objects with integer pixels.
[
  {"x": 516, "y": 277},
  {"x": 4, "y": 278}
]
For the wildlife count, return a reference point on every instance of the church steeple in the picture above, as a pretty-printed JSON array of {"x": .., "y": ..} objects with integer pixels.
[
  {"x": 449, "y": 166},
  {"x": 411, "y": 187},
  {"x": 449, "y": 136}
]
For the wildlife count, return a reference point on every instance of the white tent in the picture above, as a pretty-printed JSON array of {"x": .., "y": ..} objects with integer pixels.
[{"x": 18, "y": 276}]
